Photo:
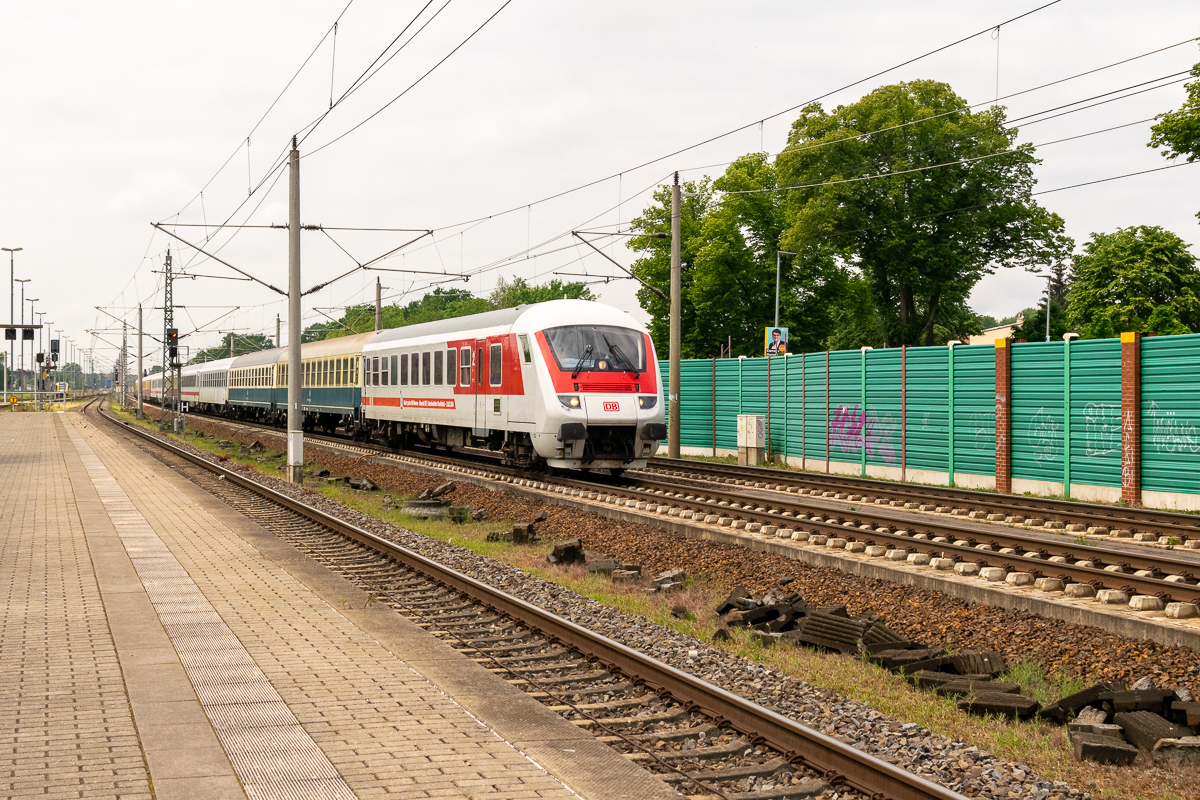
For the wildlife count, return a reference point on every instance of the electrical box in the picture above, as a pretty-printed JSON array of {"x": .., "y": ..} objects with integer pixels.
[
  {"x": 751, "y": 430},
  {"x": 751, "y": 439}
]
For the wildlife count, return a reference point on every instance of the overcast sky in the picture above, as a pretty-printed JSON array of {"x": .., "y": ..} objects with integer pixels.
[{"x": 118, "y": 114}]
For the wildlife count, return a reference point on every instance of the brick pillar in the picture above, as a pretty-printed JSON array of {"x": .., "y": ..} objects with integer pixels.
[
  {"x": 1131, "y": 418},
  {"x": 1004, "y": 415}
]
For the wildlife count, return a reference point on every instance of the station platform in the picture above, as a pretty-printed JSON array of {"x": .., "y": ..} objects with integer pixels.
[{"x": 157, "y": 644}]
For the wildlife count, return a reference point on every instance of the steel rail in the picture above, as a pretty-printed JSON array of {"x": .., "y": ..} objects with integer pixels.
[
  {"x": 1187, "y": 525},
  {"x": 884, "y": 527},
  {"x": 836, "y": 760}
]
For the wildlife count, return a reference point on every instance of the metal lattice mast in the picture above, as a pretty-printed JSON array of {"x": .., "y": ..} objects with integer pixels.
[
  {"x": 167, "y": 375},
  {"x": 123, "y": 367}
]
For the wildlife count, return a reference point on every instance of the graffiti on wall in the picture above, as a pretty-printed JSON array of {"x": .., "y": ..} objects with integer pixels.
[
  {"x": 1171, "y": 434},
  {"x": 1043, "y": 436},
  {"x": 1103, "y": 424},
  {"x": 852, "y": 431},
  {"x": 983, "y": 430},
  {"x": 1129, "y": 474}
]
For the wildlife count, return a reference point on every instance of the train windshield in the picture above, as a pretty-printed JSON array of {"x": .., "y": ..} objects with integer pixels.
[{"x": 597, "y": 348}]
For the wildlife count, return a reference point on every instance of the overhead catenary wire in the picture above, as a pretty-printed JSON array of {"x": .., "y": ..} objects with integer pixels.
[
  {"x": 415, "y": 83},
  {"x": 274, "y": 102},
  {"x": 748, "y": 125}
]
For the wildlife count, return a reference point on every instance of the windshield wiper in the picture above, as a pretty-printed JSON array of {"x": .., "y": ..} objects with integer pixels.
[
  {"x": 587, "y": 351},
  {"x": 616, "y": 351}
]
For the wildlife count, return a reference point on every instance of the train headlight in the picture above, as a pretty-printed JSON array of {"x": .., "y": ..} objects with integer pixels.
[
  {"x": 569, "y": 400},
  {"x": 647, "y": 401}
]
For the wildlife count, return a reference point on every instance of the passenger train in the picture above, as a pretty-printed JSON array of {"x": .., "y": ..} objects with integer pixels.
[{"x": 565, "y": 384}]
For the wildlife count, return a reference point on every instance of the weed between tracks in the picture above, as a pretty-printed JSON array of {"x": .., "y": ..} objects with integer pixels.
[{"x": 1042, "y": 747}]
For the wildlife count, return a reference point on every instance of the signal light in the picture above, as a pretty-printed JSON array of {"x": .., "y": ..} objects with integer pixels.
[{"x": 173, "y": 343}]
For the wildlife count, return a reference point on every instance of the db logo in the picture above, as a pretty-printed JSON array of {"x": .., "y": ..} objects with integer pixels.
[{"x": 612, "y": 406}]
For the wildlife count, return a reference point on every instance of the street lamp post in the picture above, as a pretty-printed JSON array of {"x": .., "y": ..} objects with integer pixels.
[
  {"x": 22, "y": 281},
  {"x": 12, "y": 293},
  {"x": 1048, "y": 278},
  {"x": 778, "y": 253},
  {"x": 32, "y": 359}
]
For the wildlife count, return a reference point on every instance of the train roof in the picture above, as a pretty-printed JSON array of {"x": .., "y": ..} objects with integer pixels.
[
  {"x": 471, "y": 322},
  {"x": 537, "y": 316},
  {"x": 342, "y": 345},
  {"x": 258, "y": 359},
  {"x": 211, "y": 366}
]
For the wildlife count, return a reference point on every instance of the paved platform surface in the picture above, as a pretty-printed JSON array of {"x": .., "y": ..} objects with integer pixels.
[{"x": 156, "y": 644}]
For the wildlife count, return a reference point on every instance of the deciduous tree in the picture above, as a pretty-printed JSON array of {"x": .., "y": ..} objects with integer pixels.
[
  {"x": 921, "y": 194},
  {"x": 1178, "y": 131},
  {"x": 1124, "y": 281}
]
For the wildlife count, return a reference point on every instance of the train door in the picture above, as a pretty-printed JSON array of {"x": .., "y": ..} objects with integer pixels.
[{"x": 480, "y": 389}]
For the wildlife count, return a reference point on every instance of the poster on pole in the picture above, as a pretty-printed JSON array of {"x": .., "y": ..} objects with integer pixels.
[{"x": 776, "y": 342}]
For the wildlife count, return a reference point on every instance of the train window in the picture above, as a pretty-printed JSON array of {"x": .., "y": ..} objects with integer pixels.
[
  {"x": 404, "y": 370},
  {"x": 437, "y": 367},
  {"x": 416, "y": 369},
  {"x": 451, "y": 369},
  {"x": 325, "y": 372},
  {"x": 395, "y": 371},
  {"x": 494, "y": 358},
  {"x": 464, "y": 369},
  {"x": 375, "y": 371},
  {"x": 525, "y": 352},
  {"x": 479, "y": 365},
  {"x": 383, "y": 372},
  {"x": 425, "y": 371}
]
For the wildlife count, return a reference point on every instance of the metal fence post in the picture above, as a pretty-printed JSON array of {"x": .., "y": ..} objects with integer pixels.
[
  {"x": 785, "y": 407},
  {"x": 803, "y": 411},
  {"x": 950, "y": 409},
  {"x": 862, "y": 431},
  {"x": 1067, "y": 337},
  {"x": 827, "y": 411},
  {"x": 903, "y": 412}
]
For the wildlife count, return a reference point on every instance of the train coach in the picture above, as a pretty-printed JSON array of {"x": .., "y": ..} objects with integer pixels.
[{"x": 566, "y": 384}]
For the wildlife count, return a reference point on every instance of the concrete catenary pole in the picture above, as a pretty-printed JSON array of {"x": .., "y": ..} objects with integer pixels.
[
  {"x": 378, "y": 304},
  {"x": 295, "y": 415},
  {"x": 140, "y": 413},
  {"x": 676, "y": 322}
]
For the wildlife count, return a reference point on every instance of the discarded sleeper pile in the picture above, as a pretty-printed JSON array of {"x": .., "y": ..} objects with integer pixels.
[
  {"x": 1106, "y": 723},
  {"x": 571, "y": 551},
  {"x": 1111, "y": 723}
]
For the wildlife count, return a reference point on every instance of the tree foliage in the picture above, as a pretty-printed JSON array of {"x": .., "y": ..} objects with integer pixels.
[
  {"x": 1178, "y": 131},
  {"x": 954, "y": 203},
  {"x": 1141, "y": 278},
  {"x": 728, "y": 255},
  {"x": 242, "y": 345}
]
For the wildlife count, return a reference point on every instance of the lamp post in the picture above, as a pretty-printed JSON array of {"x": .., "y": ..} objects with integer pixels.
[
  {"x": 1048, "y": 279},
  {"x": 778, "y": 253},
  {"x": 41, "y": 324},
  {"x": 12, "y": 293},
  {"x": 32, "y": 359},
  {"x": 22, "y": 281}
]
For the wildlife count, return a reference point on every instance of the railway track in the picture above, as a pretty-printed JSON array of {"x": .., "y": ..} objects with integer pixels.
[
  {"x": 697, "y": 737},
  {"x": 1067, "y": 515},
  {"x": 781, "y": 500}
]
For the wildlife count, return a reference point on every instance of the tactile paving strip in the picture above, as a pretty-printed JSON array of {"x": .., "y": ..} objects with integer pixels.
[{"x": 273, "y": 755}]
